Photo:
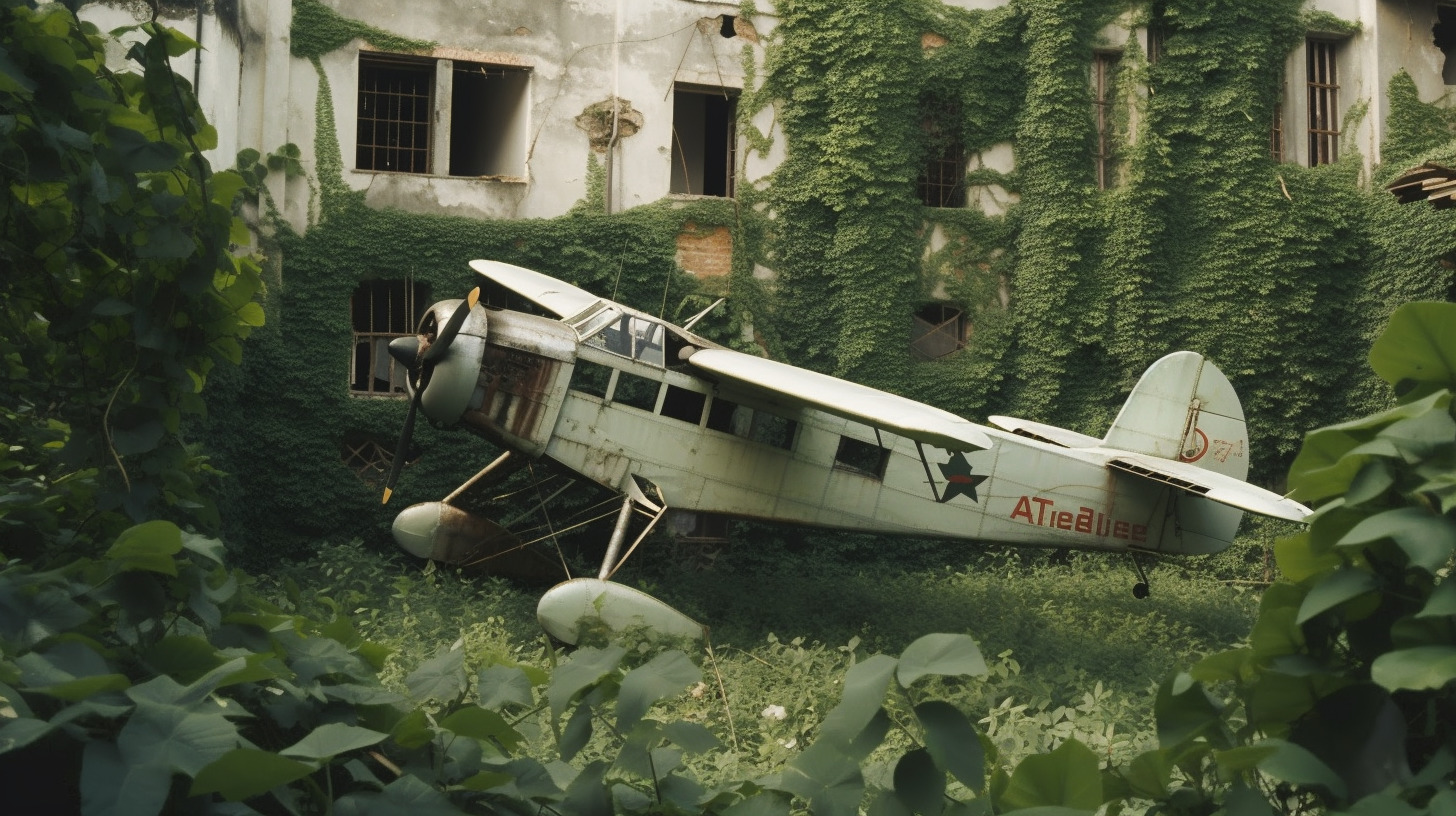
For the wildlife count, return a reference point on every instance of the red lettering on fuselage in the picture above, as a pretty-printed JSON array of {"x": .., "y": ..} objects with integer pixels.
[{"x": 1084, "y": 520}]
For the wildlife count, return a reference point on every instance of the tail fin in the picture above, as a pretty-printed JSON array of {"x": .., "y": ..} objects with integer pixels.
[{"x": 1185, "y": 410}]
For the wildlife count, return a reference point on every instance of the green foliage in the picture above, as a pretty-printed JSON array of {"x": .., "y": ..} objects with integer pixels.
[
  {"x": 318, "y": 29},
  {"x": 1413, "y": 127},
  {"x": 120, "y": 293}
]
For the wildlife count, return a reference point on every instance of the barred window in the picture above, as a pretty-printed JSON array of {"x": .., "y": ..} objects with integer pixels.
[
  {"x": 1104, "y": 73},
  {"x": 1322, "y": 81},
  {"x": 382, "y": 310},
  {"x": 942, "y": 181}
]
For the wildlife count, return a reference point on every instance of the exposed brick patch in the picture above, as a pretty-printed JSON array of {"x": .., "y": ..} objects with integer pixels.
[{"x": 705, "y": 253}]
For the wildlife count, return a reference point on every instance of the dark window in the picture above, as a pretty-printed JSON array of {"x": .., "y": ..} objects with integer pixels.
[
  {"x": 591, "y": 378},
  {"x": 483, "y": 119},
  {"x": 771, "y": 429},
  {"x": 638, "y": 392},
  {"x": 488, "y": 120},
  {"x": 704, "y": 141},
  {"x": 396, "y": 108},
  {"x": 1323, "y": 82},
  {"x": 722, "y": 415},
  {"x": 1443, "y": 36},
  {"x": 938, "y": 329},
  {"x": 1104, "y": 77},
  {"x": 942, "y": 182},
  {"x": 1276, "y": 128},
  {"x": 382, "y": 310},
  {"x": 680, "y": 403},
  {"x": 1157, "y": 39},
  {"x": 863, "y": 458}
]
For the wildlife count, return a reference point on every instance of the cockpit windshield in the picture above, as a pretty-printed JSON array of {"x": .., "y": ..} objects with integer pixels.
[{"x": 624, "y": 335}]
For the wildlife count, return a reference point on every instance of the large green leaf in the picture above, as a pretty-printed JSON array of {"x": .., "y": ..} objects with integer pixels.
[
  {"x": 406, "y": 796},
  {"x": 482, "y": 724},
  {"x": 502, "y": 685},
  {"x": 176, "y": 738},
  {"x": 585, "y": 668},
  {"x": 246, "y": 772},
  {"x": 20, "y": 732},
  {"x": 27, "y": 618},
  {"x": 953, "y": 742},
  {"x": 825, "y": 777},
  {"x": 1420, "y": 667},
  {"x": 919, "y": 783},
  {"x": 1296, "y": 765},
  {"x": 942, "y": 654},
  {"x": 114, "y": 786},
  {"x": 666, "y": 673},
  {"x": 1338, "y": 587},
  {"x": 864, "y": 692},
  {"x": 442, "y": 677},
  {"x": 148, "y": 546},
  {"x": 1067, "y": 777},
  {"x": 1427, "y": 539},
  {"x": 332, "y": 739},
  {"x": 1442, "y": 602},
  {"x": 1418, "y": 346}
]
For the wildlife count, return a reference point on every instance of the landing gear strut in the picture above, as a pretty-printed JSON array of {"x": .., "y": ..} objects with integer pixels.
[{"x": 1140, "y": 590}]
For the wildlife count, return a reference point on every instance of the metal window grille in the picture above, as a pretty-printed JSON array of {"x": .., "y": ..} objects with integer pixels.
[
  {"x": 1323, "y": 83},
  {"x": 1277, "y": 127},
  {"x": 1104, "y": 69},
  {"x": 396, "y": 109},
  {"x": 381, "y": 311},
  {"x": 938, "y": 330},
  {"x": 942, "y": 182}
]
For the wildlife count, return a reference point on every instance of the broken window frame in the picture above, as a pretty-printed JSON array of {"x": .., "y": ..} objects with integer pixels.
[
  {"x": 700, "y": 129},
  {"x": 1322, "y": 84},
  {"x": 374, "y": 325},
  {"x": 457, "y": 118},
  {"x": 950, "y": 323},
  {"x": 942, "y": 180}
]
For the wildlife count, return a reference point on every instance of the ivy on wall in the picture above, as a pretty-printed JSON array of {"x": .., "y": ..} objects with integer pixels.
[{"x": 1279, "y": 273}]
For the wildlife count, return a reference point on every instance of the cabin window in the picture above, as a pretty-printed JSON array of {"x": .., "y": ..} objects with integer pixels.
[
  {"x": 591, "y": 378},
  {"x": 938, "y": 329},
  {"x": 628, "y": 336},
  {"x": 1323, "y": 84},
  {"x": 382, "y": 310},
  {"x": 413, "y": 109},
  {"x": 864, "y": 458},
  {"x": 942, "y": 181},
  {"x": 704, "y": 140},
  {"x": 682, "y": 404},
  {"x": 759, "y": 426},
  {"x": 638, "y": 392}
]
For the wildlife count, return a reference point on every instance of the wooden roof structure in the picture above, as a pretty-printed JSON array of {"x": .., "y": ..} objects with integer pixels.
[{"x": 1430, "y": 181}]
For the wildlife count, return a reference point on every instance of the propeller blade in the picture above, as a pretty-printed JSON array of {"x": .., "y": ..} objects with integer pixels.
[
  {"x": 457, "y": 319},
  {"x": 403, "y": 449}
]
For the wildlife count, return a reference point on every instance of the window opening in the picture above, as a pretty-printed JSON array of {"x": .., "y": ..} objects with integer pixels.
[
  {"x": 1157, "y": 39},
  {"x": 773, "y": 430},
  {"x": 382, "y": 310},
  {"x": 938, "y": 329},
  {"x": 1104, "y": 71},
  {"x": 726, "y": 29},
  {"x": 371, "y": 459},
  {"x": 864, "y": 458},
  {"x": 682, "y": 404},
  {"x": 1323, "y": 84},
  {"x": 942, "y": 180},
  {"x": 488, "y": 108},
  {"x": 1443, "y": 36},
  {"x": 591, "y": 378},
  {"x": 627, "y": 336},
  {"x": 396, "y": 108},
  {"x": 1276, "y": 127},
  {"x": 638, "y": 392},
  {"x": 704, "y": 141}
]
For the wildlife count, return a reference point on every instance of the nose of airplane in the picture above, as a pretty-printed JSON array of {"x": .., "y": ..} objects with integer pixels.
[{"x": 415, "y": 527}]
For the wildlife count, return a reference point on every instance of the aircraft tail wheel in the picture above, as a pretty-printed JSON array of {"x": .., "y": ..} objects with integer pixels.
[{"x": 1140, "y": 590}]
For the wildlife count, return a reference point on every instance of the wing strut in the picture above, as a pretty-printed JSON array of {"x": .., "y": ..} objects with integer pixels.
[
  {"x": 633, "y": 497},
  {"x": 920, "y": 449}
]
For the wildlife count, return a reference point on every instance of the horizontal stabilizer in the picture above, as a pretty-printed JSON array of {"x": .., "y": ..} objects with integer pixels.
[
  {"x": 1041, "y": 432},
  {"x": 1209, "y": 484}
]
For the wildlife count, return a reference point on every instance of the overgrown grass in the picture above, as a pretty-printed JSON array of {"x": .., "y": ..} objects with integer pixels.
[{"x": 1071, "y": 652}]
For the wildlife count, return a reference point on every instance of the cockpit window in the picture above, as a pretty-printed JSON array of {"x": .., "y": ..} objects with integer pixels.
[{"x": 624, "y": 335}]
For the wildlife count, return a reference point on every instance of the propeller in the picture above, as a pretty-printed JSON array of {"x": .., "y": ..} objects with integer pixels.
[{"x": 407, "y": 351}]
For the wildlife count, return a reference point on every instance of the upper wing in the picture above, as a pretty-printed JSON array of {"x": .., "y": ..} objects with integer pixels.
[
  {"x": 543, "y": 290},
  {"x": 1207, "y": 483},
  {"x": 861, "y": 403}
]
